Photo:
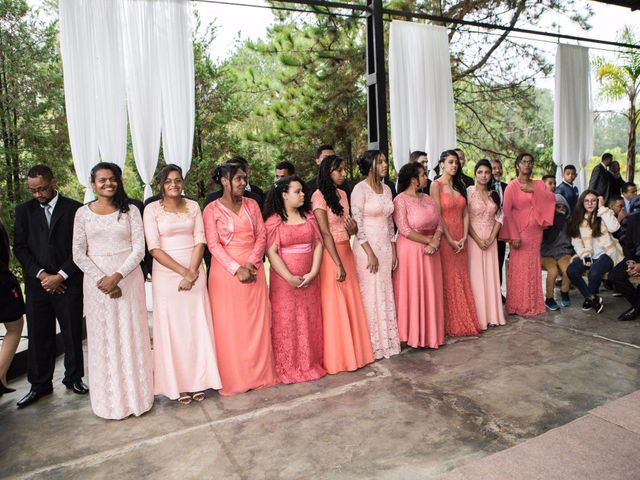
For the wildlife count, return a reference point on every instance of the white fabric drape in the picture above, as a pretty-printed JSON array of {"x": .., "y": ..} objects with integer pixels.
[
  {"x": 572, "y": 111},
  {"x": 421, "y": 91}
]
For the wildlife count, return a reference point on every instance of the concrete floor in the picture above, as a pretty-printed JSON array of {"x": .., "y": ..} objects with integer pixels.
[{"x": 416, "y": 416}]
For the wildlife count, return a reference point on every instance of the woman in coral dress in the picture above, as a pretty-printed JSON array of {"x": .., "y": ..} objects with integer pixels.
[
  {"x": 485, "y": 220},
  {"x": 417, "y": 282},
  {"x": 184, "y": 356},
  {"x": 294, "y": 248},
  {"x": 108, "y": 245},
  {"x": 238, "y": 291},
  {"x": 375, "y": 252},
  {"x": 528, "y": 209},
  {"x": 347, "y": 345},
  {"x": 450, "y": 194}
]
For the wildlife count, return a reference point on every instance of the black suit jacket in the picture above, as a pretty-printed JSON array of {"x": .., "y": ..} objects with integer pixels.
[
  {"x": 40, "y": 247},
  {"x": 601, "y": 180},
  {"x": 631, "y": 242}
]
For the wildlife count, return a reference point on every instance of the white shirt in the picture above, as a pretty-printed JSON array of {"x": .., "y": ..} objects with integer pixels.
[{"x": 52, "y": 203}]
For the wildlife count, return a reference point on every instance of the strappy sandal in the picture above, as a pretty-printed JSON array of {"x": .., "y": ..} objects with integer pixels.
[
  {"x": 198, "y": 396},
  {"x": 184, "y": 399}
]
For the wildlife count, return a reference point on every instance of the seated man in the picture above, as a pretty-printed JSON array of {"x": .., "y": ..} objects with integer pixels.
[
  {"x": 629, "y": 191},
  {"x": 616, "y": 204},
  {"x": 622, "y": 273},
  {"x": 556, "y": 252}
]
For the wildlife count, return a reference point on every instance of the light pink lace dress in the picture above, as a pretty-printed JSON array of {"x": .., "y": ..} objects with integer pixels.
[
  {"x": 120, "y": 367},
  {"x": 373, "y": 213}
]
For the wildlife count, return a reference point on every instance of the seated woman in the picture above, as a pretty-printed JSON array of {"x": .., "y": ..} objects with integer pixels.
[{"x": 591, "y": 228}]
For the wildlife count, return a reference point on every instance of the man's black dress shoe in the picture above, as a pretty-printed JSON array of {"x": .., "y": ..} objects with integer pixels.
[
  {"x": 629, "y": 315},
  {"x": 78, "y": 387},
  {"x": 32, "y": 397}
]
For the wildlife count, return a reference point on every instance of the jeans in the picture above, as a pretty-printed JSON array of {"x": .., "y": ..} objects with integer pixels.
[{"x": 597, "y": 270}]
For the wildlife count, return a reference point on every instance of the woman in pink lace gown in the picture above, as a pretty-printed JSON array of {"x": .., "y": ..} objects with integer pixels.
[
  {"x": 184, "y": 354},
  {"x": 108, "y": 245},
  {"x": 294, "y": 248},
  {"x": 237, "y": 286},
  {"x": 375, "y": 252},
  {"x": 450, "y": 194},
  {"x": 485, "y": 220},
  {"x": 528, "y": 209},
  {"x": 417, "y": 282}
]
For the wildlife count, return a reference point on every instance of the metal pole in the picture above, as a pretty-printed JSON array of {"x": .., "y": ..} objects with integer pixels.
[{"x": 376, "y": 80}]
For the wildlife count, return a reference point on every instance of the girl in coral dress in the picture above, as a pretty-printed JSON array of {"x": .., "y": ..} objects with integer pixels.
[
  {"x": 450, "y": 194},
  {"x": 346, "y": 337},
  {"x": 294, "y": 248},
  {"x": 240, "y": 305}
]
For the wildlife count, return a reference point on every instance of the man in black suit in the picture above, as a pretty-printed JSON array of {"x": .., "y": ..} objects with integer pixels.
[
  {"x": 418, "y": 156},
  {"x": 621, "y": 273},
  {"x": 466, "y": 179},
  {"x": 500, "y": 186},
  {"x": 43, "y": 238},
  {"x": 601, "y": 178}
]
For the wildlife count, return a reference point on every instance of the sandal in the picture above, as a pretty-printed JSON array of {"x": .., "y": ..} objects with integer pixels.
[
  {"x": 184, "y": 399},
  {"x": 198, "y": 396}
]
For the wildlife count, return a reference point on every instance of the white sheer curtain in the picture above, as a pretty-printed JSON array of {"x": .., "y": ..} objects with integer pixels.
[
  {"x": 572, "y": 113},
  {"x": 421, "y": 91}
]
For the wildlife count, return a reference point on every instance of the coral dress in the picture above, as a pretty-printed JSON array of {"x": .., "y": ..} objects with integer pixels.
[
  {"x": 347, "y": 345},
  {"x": 120, "y": 365},
  {"x": 184, "y": 350},
  {"x": 241, "y": 311},
  {"x": 460, "y": 317},
  {"x": 526, "y": 215},
  {"x": 417, "y": 282},
  {"x": 484, "y": 269},
  {"x": 373, "y": 213},
  {"x": 296, "y": 330}
]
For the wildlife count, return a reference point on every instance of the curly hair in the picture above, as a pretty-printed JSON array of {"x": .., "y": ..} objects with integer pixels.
[
  {"x": 326, "y": 186},
  {"x": 274, "y": 203}
]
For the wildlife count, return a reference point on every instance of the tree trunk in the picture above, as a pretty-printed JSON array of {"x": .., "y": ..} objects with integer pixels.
[{"x": 631, "y": 145}]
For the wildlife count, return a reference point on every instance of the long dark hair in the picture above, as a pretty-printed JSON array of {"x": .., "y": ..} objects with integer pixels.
[
  {"x": 163, "y": 174},
  {"x": 406, "y": 173},
  {"x": 578, "y": 214},
  {"x": 326, "y": 186},
  {"x": 368, "y": 160},
  {"x": 120, "y": 199},
  {"x": 226, "y": 170},
  {"x": 483, "y": 162},
  {"x": 274, "y": 203},
  {"x": 457, "y": 182}
]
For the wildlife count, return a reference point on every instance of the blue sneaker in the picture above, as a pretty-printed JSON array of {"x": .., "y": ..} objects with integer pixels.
[
  {"x": 564, "y": 299},
  {"x": 551, "y": 304}
]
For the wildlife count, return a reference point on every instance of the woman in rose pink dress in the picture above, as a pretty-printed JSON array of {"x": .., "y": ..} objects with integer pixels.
[
  {"x": 238, "y": 292},
  {"x": 294, "y": 248},
  {"x": 528, "y": 209},
  {"x": 375, "y": 252},
  {"x": 485, "y": 220},
  {"x": 450, "y": 194},
  {"x": 417, "y": 282},
  {"x": 184, "y": 355},
  {"x": 108, "y": 245}
]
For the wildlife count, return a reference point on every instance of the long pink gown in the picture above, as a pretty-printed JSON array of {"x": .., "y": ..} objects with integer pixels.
[
  {"x": 460, "y": 316},
  {"x": 417, "y": 282},
  {"x": 120, "y": 365},
  {"x": 373, "y": 213},
  {"x": 296, "y": 330},
  {"x": 183, "y": 343},
  {"x": 241, "y": 311},
  {"x": 484, "y": 271},
  {"x": 526, "y": 215}
]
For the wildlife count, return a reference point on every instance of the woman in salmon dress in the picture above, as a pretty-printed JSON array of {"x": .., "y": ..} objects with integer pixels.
[
  {"x": 417, "y": 282},
  {"x": 184, "y": 354},
  {"x": 347, "y": 346},
  {"x": 528, "y": 209},
  {"x": 294, "y": 248},
  {"x": 485, "y": 220},
  {"x": 375, "y": 252},
  {"x": 238, "y": 292},
  {"x": 450, "y": 194}
]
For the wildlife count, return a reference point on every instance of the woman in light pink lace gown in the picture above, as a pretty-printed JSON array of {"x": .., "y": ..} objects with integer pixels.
[
  {"x": 108, "y": 245},
  {"x": 375, "y": 252}
]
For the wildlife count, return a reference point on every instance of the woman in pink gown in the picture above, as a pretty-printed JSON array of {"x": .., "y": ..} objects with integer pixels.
[
  {"x": 528, "y": 209},
  {"x": 294, "y": 248},
  {"x": 485, "y": 220},
  {"x": 237, "y": 286},
  {"x": 417, "y": 282},
  {"x": 347, "y": 345},
  {"x": 375, "y": 252},
  {"x": 450, "y": 194},
  {"x": 184, "y": 356},
  {"x": 108, "y": 245}
]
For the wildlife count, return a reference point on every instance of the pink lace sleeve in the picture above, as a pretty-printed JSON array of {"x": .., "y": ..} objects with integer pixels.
[
  {"x": 213, "y": 241},
  {"x": 358, "y": 200},
  {"x": 316, "y": 229},
  {"x": 273, "y": 231},
  {"x": 137, "y": 243},
  {"x": 198, "y": 226},
  {"x": 260, "y": 232},
  {"x": 79, "y": 248},
  {"x": 509, "y": 231},
  {"x": 400, "y": 216},
  {"x": 150, "y": 221},
  {"x": 390, "y": 224}
]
